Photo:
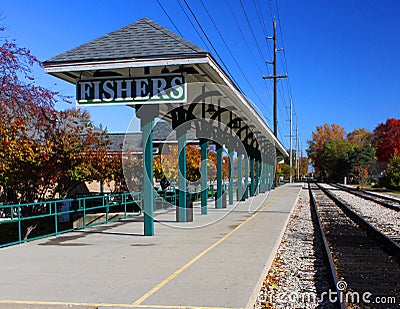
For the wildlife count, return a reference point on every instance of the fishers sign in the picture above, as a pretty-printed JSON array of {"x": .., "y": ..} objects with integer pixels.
[{"x": 131, "y": 90}]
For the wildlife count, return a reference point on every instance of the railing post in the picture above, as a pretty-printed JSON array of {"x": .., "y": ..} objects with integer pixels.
[
  {"x": 19, "y": 224},
  {"x": 84, "y": 213},
  {"x": 55, "y": 218},
  {"x": 123, "y": 200},
  {"x": 105, "y": 199}
]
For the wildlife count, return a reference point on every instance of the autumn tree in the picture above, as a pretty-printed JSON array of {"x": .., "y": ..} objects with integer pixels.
[
  {"x": 131, "y": 166},
  {"x": 317, "y": 148},
  {"x": 42, "y": 151},
  {"x": 25, "y": 107},
  {"x": 336, "y": 155},
  {"x": 283, "y": 170},
  {"x": 78, "y": 151},
  {"x": 166, "y": 164},
  {"x": 304, "y": 162},
  {"x": 360, "y": 137},
  {"x": 386, "y": 140}
]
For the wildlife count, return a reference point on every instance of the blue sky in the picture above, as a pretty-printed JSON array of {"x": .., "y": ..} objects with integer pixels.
[{"x": 343, "y": 56}]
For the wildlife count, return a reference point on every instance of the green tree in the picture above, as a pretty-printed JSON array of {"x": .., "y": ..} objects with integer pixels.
[
  {"x": 283, "y": 170},
  {"x": 334, "y": 158},
  {"x": 316, "y": 146},
  {"x": 336, "y": 155},
  {"x": 391, "y": 177},
  {"x": 360, "y": 160}
]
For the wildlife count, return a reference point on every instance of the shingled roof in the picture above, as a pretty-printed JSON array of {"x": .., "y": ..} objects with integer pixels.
[{"x": 141, "y": 39}]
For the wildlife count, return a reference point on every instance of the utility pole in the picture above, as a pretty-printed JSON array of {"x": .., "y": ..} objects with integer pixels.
[
  {"x": 275, "y": 77},
  {"x": 291, "y": 146}
]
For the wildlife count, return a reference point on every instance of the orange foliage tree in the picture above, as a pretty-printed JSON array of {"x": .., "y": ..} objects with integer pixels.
[
  {"x": 166, "y": 165},
  {"x": 42, "y": 151},
  {"x": 386, "y": 140}
]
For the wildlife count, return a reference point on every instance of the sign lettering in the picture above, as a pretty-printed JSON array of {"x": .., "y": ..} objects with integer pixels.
[{"x": 132, "y": 90}]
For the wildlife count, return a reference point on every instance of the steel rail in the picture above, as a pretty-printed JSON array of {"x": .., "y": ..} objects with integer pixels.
[
  {"x": 392, "y": 245},
  {"x": 327, "y": 252},
  {"x": 370, "y": 196}
]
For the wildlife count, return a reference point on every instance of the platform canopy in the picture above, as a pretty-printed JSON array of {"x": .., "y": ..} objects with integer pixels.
[{"x": 145, "y": 48}]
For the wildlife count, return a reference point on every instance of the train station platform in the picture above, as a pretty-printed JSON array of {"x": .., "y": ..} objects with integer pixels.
[{"x": 217, "y": 261}]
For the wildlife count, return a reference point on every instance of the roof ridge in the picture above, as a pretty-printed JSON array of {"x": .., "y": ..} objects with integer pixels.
[
  {"x": 168, "y": 32},
  {"x": 142, "y": 38}
]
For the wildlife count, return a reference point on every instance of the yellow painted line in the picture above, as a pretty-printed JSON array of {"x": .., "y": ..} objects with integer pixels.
[
  {"x": 56, "y": 303},
  {"x": 181, "y": 307},
  {"x": 199, "y": 256}
]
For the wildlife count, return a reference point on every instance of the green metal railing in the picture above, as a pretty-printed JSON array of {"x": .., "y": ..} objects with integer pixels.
[{"x": 51, "y": 218}]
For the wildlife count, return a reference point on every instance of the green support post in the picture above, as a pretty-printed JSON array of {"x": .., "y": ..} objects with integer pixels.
[
  {"x": 204, "y": 176},
  {"x": 148, "y": 190},
  {"x": 270, "y": 179},
  {"x": 256, "y": 176},
  {"x": 246, "y": 178},
  {"x": 240, "y": 178},
  {"x": 265, "y": 165},
  {"x": 219, "y": 177},
  {"x": 231, "y": 177},
  {"x": 146, "y": 114},
  {"x": 252, "y": 184},
  {"x": 261, "y": 181},
  {"x": 182, "y": 176}
]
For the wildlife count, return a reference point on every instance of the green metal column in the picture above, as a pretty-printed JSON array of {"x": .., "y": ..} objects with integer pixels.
[
  {"x": 265, "y": 176},
  {"x": 148, "y": 190},
  {"x": 259, "y": 183},
  {"x": 204, "y": 176},
  {"x": 246, "y": 177},
  {"x": 219, "y": 177},
  {"x": 270, "y": 180},
  {"x": 262, "y": 168},
  {"x": 231, "y": 177},
  {"x": 252, "y": 184},
  {"x": 257, "y": 177},
  {"x": 239, "y": 178},
  {"x": 182, "y": 175}
]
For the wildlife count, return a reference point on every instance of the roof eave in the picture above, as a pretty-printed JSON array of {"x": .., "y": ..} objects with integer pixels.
[
  {"x": 74, "y": 66},
  {"x": 255, "y": 113}
]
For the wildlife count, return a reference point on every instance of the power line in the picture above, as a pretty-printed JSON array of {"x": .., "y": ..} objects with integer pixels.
[
  {"x": 284, "y": 55},
  {"x": 230, "y": 52},
  {"x": 251, "y": 30},
  {"x": 260, "y": 18},
  {"x": 169, "y": 18},
  {"x": 193, "y": 26},
  {"x": 263, "y": 25},
  {"x": 247, "y": 44},
  {"x": 212, "y": 45}
]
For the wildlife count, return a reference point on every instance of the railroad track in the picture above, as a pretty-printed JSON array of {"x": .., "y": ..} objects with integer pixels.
[
  {"x": 386, "y": 201},
  {"x": 364, "y": 262},
  {"x": 385, "y": 219}
]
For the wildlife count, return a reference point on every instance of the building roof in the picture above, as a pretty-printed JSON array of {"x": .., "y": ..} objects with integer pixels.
[{"x": 141, "y": 39}]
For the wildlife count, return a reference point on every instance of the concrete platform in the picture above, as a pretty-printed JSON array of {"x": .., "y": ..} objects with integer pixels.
[{"x": 217, "y": 261}]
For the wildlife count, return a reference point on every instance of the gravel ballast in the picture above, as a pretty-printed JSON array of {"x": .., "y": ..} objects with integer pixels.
[{"x": 298, "y": 275}]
